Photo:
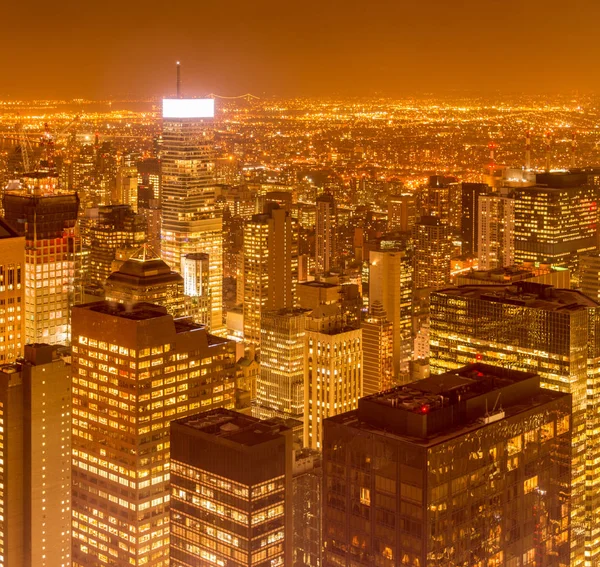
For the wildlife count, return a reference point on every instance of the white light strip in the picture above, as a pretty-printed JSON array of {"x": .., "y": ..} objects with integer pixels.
[{"x": 188, "y": 108}]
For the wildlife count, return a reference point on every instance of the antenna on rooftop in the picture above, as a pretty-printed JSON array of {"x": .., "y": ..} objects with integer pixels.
[
  {"x": 528, "y": 150},
  {"x": 178, "y": 79}
]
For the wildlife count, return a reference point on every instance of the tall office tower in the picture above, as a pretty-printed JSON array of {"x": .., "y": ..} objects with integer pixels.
[
  {"x": 308, "y": 499},
  {"x": 589, "y": 275},
  {"x": 268, "y": 260},
  {"x": 325, "y": 241},
  {"x": 441, "y": 198},
  {"x": 135, "y": 369},
  {"x": 84, "y": 177},
  {"x": 52, "y": 261},
  {"x": 433, "y": 249},
  {"x": 390, "y": 284},
  {"x": 280, "y": 386},
  {"x": 469, "y": 225},
  {"x": 35, "y": 460},
  {"x": 231, "y": 482},
  {"x": 557, "y": 221},
  {"x": 496, "y": 231},
  {"x": 195, "y": 269},
  {"x": 467, "y": 468},
  {"x": 402, "y": 212},
  {"x": 190, "y": 221},
  {"x": 146, "y": 278},
  {"x": 148, "y": 181},
  {"x": 378, "y": 349},
  {"x": 536, "y": 328},
  {"x": 126, "y": 187},
  {"x": 118, "y": 229},
  {"x": 12, "y": 293},
  {"x": 333, "y": 370}
]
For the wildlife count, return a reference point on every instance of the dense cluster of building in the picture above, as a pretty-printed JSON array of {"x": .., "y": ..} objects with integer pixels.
[{"x": 201, "y": 366}]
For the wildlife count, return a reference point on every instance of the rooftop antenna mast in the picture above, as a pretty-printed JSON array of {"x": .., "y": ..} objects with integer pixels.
[
  {"x": 548, "y": 142},
  {"x": 573, "y": 148},
  {"x": 528, "y": 150},
  {"x": 178, "y": 79}
]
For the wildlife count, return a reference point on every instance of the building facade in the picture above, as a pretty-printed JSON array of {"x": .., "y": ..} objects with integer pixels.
[
  {"x": 535, "y": 328},
  {"x": 35, "y": 459},
  {"x": 12, "y": 293},
  {"x": 435, "y": 474},
  {"x": 135, "y": 369},
  {"x": 231, "y": 483}
]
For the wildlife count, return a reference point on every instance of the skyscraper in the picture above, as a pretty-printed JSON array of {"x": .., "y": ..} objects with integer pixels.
[
  {"x": 231, "y": 482},
  {"x": 433, "y": 249},
  {"x": 52, "y": 261},
  {"x": 195, "y": 269},
  {"x": 402, "y": 212},
  {"x": 35, "y": 459},
  {"x": 589, "y": 274},
  {"x": 146, "y": 278},
  {"x": 556, "y": 221},
  {"x": 325, "y": 236},
  {"x": 268, "y": 258},
  {"x": 190, "y": 221},
  {"x": 496, "y": 231},
  {"x": 12, "y": 293},
  {"x": 135, "y": 369},
  {"x": 390, "y": 284},
  {"x": 469, "y": 225},
  {"x": 436, "y": 473},
  {"x": 280, "y": 386},
  {"x": 378, "y": 349},
  {"x": 118, "y": 229},
  {"x": 535, "y": 328},
  {"x": 333, "y": 370}
]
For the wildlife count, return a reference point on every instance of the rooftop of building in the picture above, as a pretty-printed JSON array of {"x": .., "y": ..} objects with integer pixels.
[
  {"x": 318, "y": 284},
  {"x": 6, "y": 231},
  {"x": 235, "y": 427},
  {"x": 526, "y": 294},
  {"x": 145, "y": 264},
  {"x": 448, "y": 405},
  {"x": 509, "y": 273},
  {"x": 137, "y": 312}
]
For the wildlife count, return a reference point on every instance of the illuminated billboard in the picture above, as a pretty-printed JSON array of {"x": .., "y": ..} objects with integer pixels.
[{"x": 188, "y": 108}]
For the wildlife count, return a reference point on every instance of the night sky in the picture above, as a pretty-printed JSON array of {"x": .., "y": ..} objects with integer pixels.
[{"x": 96, "y": 49}]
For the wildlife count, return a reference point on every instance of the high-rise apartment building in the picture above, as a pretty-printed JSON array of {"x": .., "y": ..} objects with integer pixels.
[
  {"x": 496, "y": 231},
  {"x": 127, "y": 187},
  {"x": 268, "y": 256},
  {"x": 231, "y": 491},
  {"x": 333, "y": 370},
  {"x": 117, "y": 230},
  {"x": 135, "y": 369},
  {"x": 52, "y": 261},
  {"x": 378, "y": 350},
  {"x": 35, "y": 459},
  {"x": 325, "y": 235},
  {"x": 146, "y": 278},
  {"x": 402, "y": 212},
  {"x": 535, "y": 328},
  {"x": 441, "y": 198},
  {"x": 12, "y": 293},
  {"x": 557, "y": 221},
  {"x": 391, "y": 284},
  {"x": 467, "y": 468},
  {"x": 433, "y": 250},
  {"x": 280, "y": 385},
  {"x": 190, "y": 221}
]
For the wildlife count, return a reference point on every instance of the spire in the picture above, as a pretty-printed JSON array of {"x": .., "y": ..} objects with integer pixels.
[{"x": 178, "y": 79}]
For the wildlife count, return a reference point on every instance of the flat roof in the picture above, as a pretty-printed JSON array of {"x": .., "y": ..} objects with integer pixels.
[
  {"x": 234, "y": 426},
  {"x": 525, "y": 293}
]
